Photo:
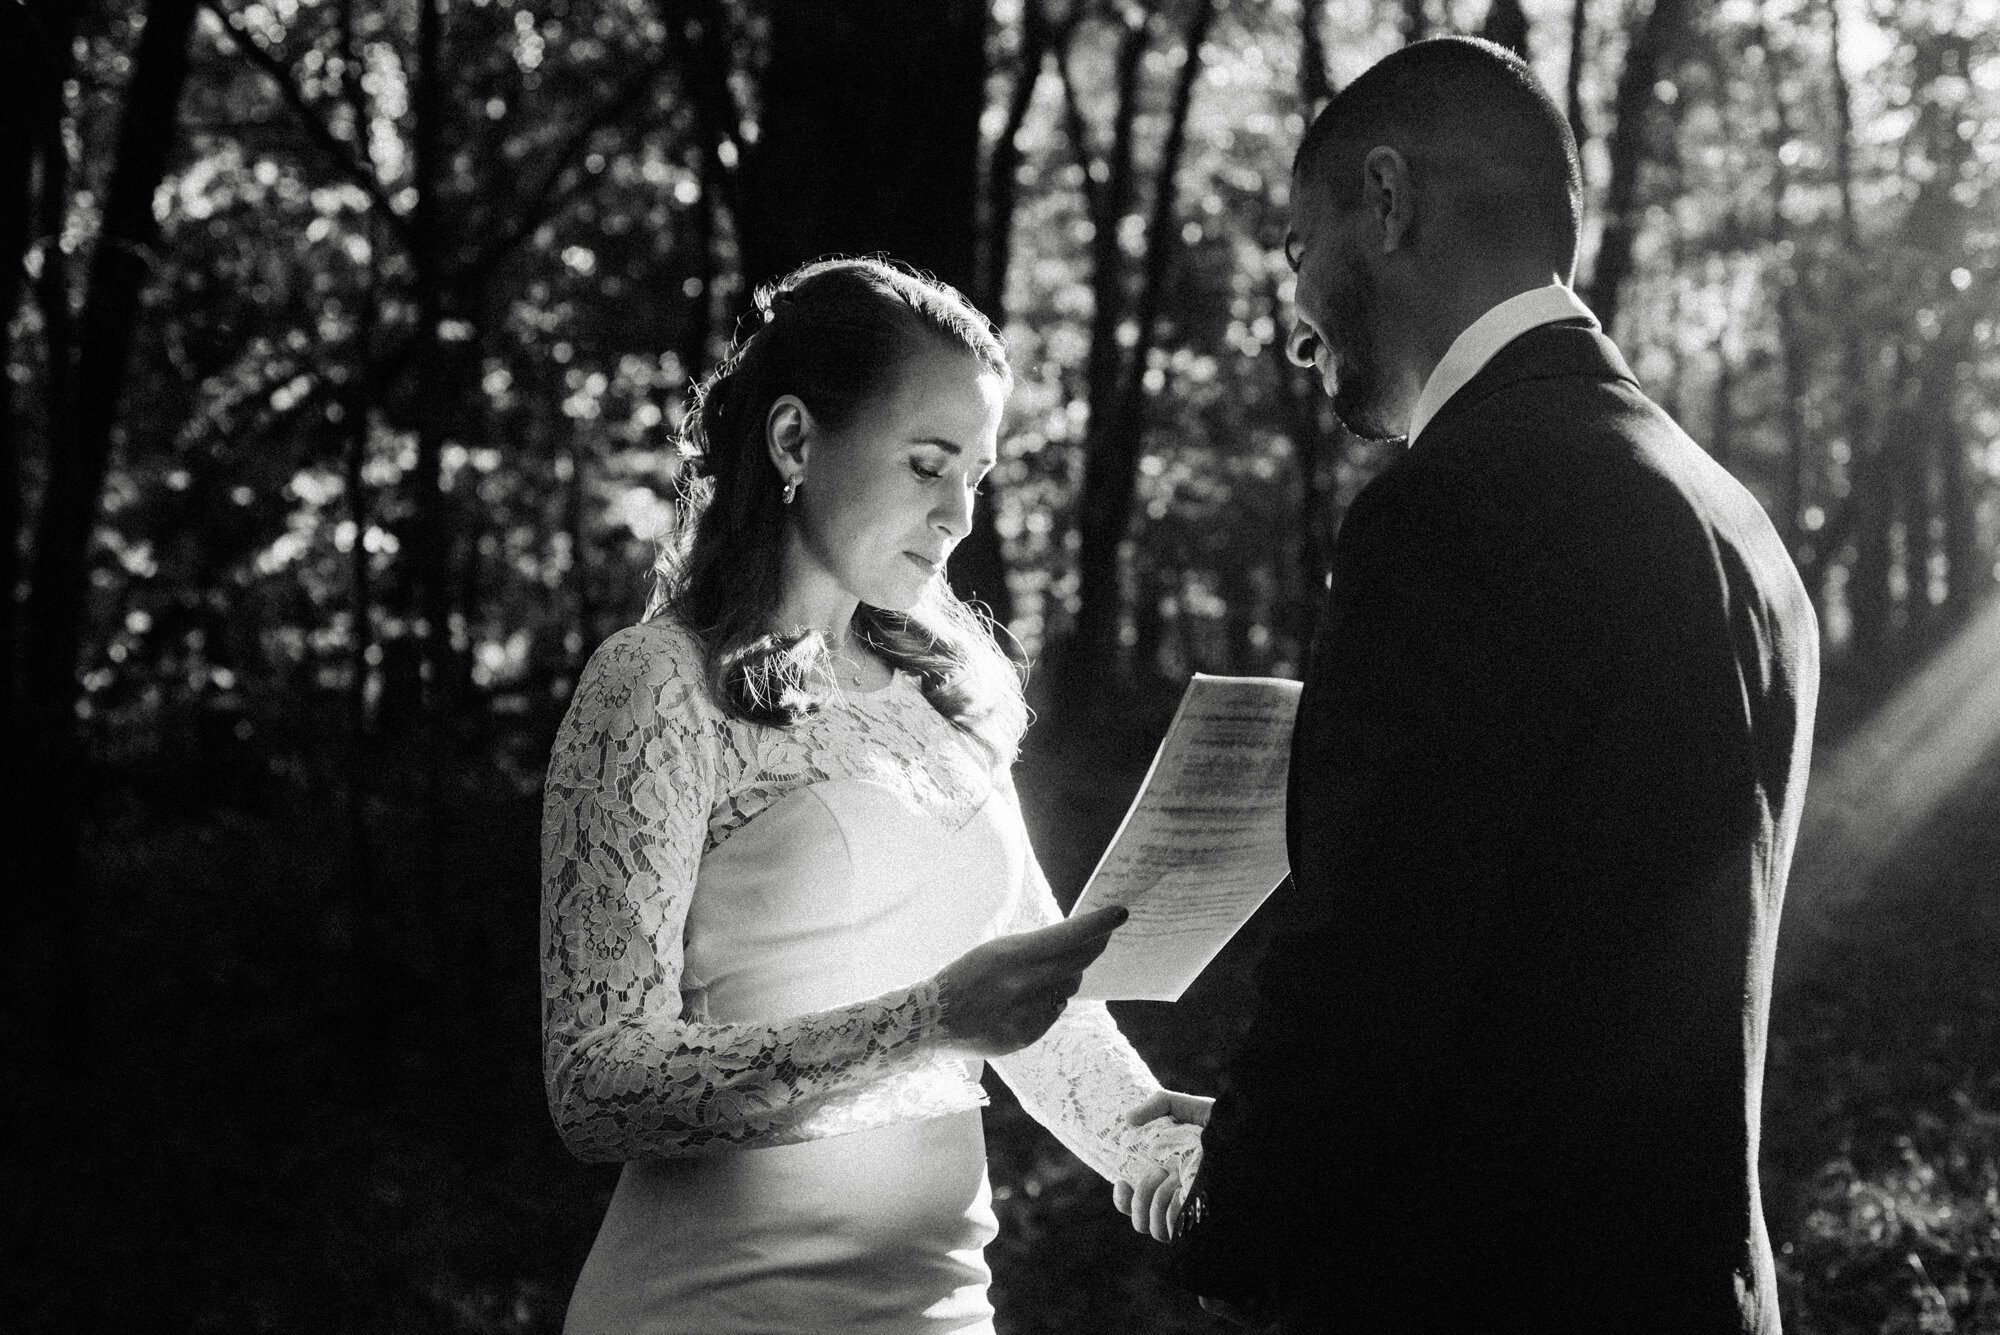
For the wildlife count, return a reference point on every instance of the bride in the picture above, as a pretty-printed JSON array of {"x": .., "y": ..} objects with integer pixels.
[{"x": 788, "y": 902}]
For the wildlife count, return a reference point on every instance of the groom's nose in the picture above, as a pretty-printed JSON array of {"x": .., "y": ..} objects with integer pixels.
[{"x": 1303, "y": 345}]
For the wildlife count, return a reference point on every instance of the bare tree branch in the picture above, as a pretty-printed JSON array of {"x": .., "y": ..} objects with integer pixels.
[
  {"x": 1079, "y": 139},
  {"x": 269, "y": 373},
  {"x": 1162, "y": 238},
  {"x": 337, "y": 150},
  {"x": 705, "y": 75},
  {"x": 1638, "y": 107},
  {"x": 1038, "y": 38},
  {"x": 359, "y": 104},
  {"x": 1116, "y": 376},
  {"x": 543, "y": 201}
]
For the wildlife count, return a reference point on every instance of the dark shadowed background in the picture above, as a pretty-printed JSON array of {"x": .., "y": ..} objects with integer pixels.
[{"x": 345, "y": 341}]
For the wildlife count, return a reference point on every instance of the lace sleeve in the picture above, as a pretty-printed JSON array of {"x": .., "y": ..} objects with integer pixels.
[
  {"x": 1081, "y": 1077},
  {"x": 631, "y": 782}
]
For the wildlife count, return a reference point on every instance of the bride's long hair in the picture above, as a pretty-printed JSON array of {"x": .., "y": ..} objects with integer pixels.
[{"x": 834, "y": 333}]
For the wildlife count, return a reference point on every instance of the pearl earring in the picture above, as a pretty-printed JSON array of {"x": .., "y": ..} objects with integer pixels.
[{"x": 791, "y": 489}]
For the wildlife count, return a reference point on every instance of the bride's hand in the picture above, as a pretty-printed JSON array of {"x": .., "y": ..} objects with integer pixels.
[
  {"x": 1003, "y": 995},
  {"x": 1153, "y": 1201}
]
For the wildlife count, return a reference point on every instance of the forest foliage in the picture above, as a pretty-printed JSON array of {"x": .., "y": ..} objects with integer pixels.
[{"x": 348, "y": 358}]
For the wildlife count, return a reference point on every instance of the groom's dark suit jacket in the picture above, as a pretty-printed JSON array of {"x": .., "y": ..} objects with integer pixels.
[{"x": 1506, "y": 1067}]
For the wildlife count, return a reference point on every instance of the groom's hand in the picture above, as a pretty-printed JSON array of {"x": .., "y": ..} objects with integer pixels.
[
  {"x": 1191, "y": 1109},
  {"x": 1002, "y": 996}
]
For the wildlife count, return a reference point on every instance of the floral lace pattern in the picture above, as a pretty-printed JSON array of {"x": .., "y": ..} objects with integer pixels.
[
  {"x": 646, "y": 776},
  {"x": 1081, "y": 1077}
]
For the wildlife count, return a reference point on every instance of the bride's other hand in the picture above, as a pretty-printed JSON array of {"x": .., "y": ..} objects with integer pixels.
[
  {"x": 1191, "y": 1109},
  {"x": 1003, "y": 995}
]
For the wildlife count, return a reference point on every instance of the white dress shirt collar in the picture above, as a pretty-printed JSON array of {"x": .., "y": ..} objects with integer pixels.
[{"x": 1471, "y": 350}]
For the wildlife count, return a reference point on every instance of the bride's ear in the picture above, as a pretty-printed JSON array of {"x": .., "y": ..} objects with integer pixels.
[{"x": 788, "y": 435}]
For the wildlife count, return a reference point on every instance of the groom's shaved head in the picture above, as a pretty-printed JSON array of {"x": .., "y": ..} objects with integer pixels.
[{"x": 1488, "y": 151}]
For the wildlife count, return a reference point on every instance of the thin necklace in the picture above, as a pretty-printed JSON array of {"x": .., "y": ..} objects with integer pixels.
[{"x": 854, "y": 677}]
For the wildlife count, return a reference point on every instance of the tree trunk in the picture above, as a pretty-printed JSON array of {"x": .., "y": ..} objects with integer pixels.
[
  {"x": 1109, "y": 203},
  {"x": 704, "y": 71},
  {"x": 469, "y": 582},
  {"x": 429, "y": 532},
  {"x": 35, "y": 60},
  {"x": 1929, "y": 462},
  {"x": 869, "y": 142},
  {"x": 1941, "y": 524},
  {"x": 576, "y": 490},
  {"x": 1795, "y": 375},
  {"x": 1645, "y": 61},
  {"x": 34, "y": 63},
  {"x": 1039, "y": 38},
  {"x": 1091, "y": 654},
  {"x": 19, "y": 84},
  {"x": 1149, "y": 623},
  {"x": 698, "y": 326},
  {"x": 1799, "y": 464},
  {"x": 1579, "y": 27},
  {"x": 1958, "y": 499},
  {"x": 1722, "y": 406},
  {"x": 1937, "y": 226},
  {"x": 1867, "y": 586},
  {"x": 869, "y": 139},
  {"x": 1875, "y": 484},
  {"x": 1241, "y": 608},
  {"x": 1115, "y": 440},
  {"x": 1416, "y": 21},
  {"x": 1907, "y": 451},
  {"x": 147, "y": 130},
  {"x": 359, "y": 410},
  {"x": 22, "y": 80},
  {"x": 1315, "y": 89},
  {"x": 1507, "y": 24},
  {"x": 980, "y": 567}
]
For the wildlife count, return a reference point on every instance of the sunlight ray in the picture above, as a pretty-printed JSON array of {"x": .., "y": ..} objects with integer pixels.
[{"x": 1878, "y": 787}]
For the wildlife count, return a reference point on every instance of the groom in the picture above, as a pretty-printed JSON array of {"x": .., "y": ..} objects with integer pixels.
[{"x": 1506, "y": 1067}]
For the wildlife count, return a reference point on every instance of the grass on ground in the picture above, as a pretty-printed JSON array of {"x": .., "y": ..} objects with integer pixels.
[{"x": 256, "y": 1138}]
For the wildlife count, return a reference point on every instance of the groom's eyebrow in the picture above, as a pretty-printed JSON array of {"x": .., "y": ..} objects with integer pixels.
[{"x": 1291, "y": 249}]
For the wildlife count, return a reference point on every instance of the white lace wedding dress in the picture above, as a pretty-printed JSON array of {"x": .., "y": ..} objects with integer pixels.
[{"x": 739, "y": 928}]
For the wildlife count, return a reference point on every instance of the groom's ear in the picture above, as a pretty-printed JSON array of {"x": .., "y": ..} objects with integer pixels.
[{"x": 1389, "y": 198}]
